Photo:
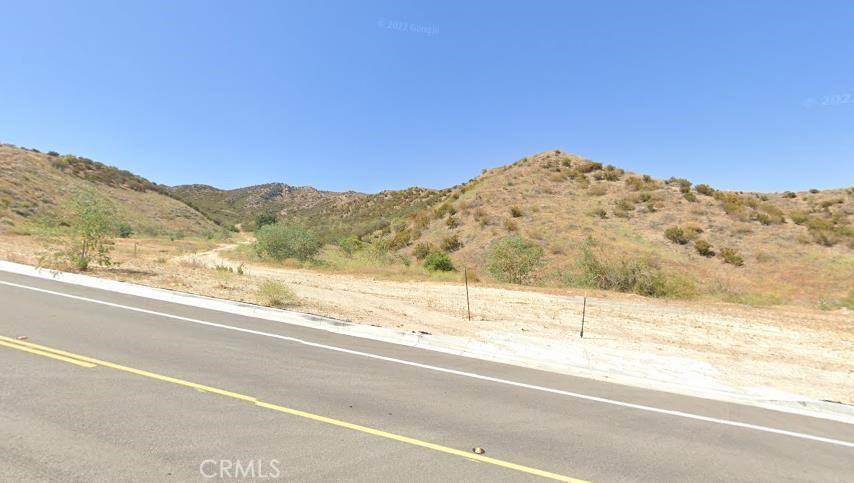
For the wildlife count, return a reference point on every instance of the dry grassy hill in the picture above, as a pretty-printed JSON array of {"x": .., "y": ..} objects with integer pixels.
[
  {"x": 598, "y": 226},
  {"x": 795, "y": 247},
  {"x": 32, "y": 184}
]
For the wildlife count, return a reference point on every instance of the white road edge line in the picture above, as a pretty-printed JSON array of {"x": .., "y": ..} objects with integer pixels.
[{"x": 473, "y": 375}]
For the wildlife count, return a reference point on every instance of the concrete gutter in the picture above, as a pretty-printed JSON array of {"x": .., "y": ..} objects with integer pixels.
[{"x": 551, "y": 356}]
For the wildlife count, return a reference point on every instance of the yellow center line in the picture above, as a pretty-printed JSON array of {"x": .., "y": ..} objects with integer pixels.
[
  {"x": 80, "y": 360},
  {"x": 16, "y": 345}
]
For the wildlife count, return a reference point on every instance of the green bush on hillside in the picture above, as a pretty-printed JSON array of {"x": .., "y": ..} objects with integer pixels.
[
  {"x": 731, "y": 256},
  {"x": 512, "y": 259},
  {"x": 280, "y": 241},
  {"x": 627, "y": 275},
  {"x": 704, "y": 248},
  {"x": 704, "y": 189},
  {"x": 124, "y": 230},
  {"x": 351, "y": 245},
  {"x": 264, "y": 219},
  {"x": 437, "y": 261},
  {"x": 676, "y": 235}
]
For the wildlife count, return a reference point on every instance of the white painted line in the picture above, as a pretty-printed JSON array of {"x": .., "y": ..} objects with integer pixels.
[{"x": 472, "y": 375}]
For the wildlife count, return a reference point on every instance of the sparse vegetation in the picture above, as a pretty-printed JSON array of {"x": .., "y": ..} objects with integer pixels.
[
  {"x": 451, "y": 243},
  {"x": 515, "y": 211},
  {"x": 274, "y": 293},
  {"x": 421, "y": 250}
]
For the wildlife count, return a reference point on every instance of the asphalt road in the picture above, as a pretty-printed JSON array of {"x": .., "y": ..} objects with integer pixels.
[{"x": 101, "y": 392}]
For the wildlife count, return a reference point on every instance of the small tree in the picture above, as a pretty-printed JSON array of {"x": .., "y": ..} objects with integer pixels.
[
  {"x": 285, "y": 240},
  {"x": 89, "y": 240},
  {"x": 512, "y": 259}
]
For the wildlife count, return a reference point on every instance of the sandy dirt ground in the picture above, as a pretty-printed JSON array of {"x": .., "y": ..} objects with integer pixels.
[{"x": 792, "y": 350}]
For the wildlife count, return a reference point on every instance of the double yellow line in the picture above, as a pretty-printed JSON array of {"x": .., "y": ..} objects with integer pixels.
[{"x": 89, "y": 362}]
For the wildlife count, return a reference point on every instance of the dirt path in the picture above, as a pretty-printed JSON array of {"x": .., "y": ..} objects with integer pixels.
[{"x": 789, "y": 349}]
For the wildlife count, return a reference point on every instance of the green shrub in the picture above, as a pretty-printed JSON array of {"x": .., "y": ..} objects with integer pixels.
[
  {"x": 513, "y": 259},
  {"x": 704, "y": 248},
  {"x": 789, "y": 194},
  {"x": 276, "y": 294},
  {"x": 452, "y": 222},
  {"x": 704, "y": 189},
  {"x": 690, "y": 197},
  {"x": 626, "y": 275},
  {"x": 437, "y": 261},
  {"x": 280, "y": 241},
  {"x": 264, "y": 219},
  {"x": 421, "y": 250},
  {"x": 515, "y": 211},
  {"x": 124, "y": 230},
  {"x": 351, "y": 245},
  {"x": 676, "y": 235},
  {"x": 731, "y": 256}
]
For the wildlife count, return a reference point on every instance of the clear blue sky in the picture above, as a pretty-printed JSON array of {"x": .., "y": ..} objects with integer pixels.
[{"x": 374, "y": 95}]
